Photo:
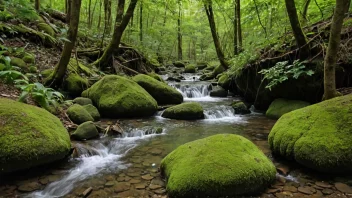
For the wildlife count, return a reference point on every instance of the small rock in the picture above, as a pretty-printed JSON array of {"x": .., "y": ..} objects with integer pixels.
[
  {"x": 284, "y": 194},
  {"x": 160, "y": 191},
  {"x": 158, "y": 182},
  {"x": 282, "y": 169},
  {"x": 290, "y": 189},
  {"x": 29, "y": 187},
  {"x": 147, "y": 177},
  {"x": 135, "y": 181},
  {"x": 87, "y": 192},
  {"x": 154, "y": 187},
  {"x": 122, "y": 186},
  {"x": 327, "y": 191},
  {"x": 140, "y": 186},
  {"x": 307, "y": 190},
  {"x": 109, "y": 184},
  {"x": 323, "y": 184},
  {"x": 273, "y": 190},
  {"x": 343, "y": 187}
]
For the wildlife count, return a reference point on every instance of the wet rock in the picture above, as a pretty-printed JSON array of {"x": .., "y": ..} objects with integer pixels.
[
  {"x": 78, "y": 114},
  {"x": 343, "y": 187},
  {"x": 49, "y": 179},
  {"x": 147, "y": 177},
  {"x": 179, "y": 64},
  {"x": 307, "y": 190},
  {"x": 135, "y": 181},
  {"x": 109, "y": 184},
  {"x": 218, "y": 92},
  {"x": 185, "y": 111},
  {"x": 323, "y": 184},
  {"x": 158, "y": 181},
  {"x": 283, "y": 194},
  {"x": 240, "y": 108},
  {"x": 327, "y": 191},
  {"x": 156, "y": 151},
  {"x": 191, "y": 68},
  {"x": 122, "y": 186},
  {"x": 154, "y": 187},
  {"x": 85, "y": 131},
  {"x": 290, "y": 189},
  {"x": 87, "y": 192},
  {"x": 282, "y": 169},
  {"x": 29, "y": 187},
  {"x": 140, "y": 186},
  {"x": 273, "y": 190},
  {"x": 83, "y": 101}
]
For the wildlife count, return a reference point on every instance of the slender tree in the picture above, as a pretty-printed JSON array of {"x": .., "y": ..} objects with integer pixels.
[
  {"x": 99, "y": 18},
  {"x": 107, "y": 16},
  {"x": 305, "y": 10},
  {"x": 179, "y": 33},
  {"x": 37, "y": 5},
  {"x": 121, "y": 22},
  {"x": 141, "y": 22},
  {"x": 334, "y": 44},
  {"x": 239, "y": 26},
  {"x": 68, "y": 10},
  {"x": 210, "y": 15},
  {"x": 56, "y": 78},
  {"x": 297, "y": 30},
  {"x": 235, "y": 22}
]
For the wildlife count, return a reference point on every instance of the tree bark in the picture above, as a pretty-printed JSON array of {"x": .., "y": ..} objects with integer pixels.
[
  {"x": 210, "y": 15},
  {"x": 89, "y": 13},
  {"x": 297, "y": 30},
  {"x": 69, "y": 12},
  {"x": 239, "y": 28},
  {"x": 179, "y": 34},
  {"x": 107, "y": 16},
  {"x": 37, "y": 5},
  {"x": 141, "y": 22},
  {"x": 334, "y": 44},
  {"x": 121, "y": 23},
  {"x": 235, "y": 21},
  {"x": 56, "y": 78},
  {"x": 305, "y": 10}
]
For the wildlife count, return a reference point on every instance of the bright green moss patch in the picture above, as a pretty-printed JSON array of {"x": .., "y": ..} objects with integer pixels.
[
  {"x": 29, "y": 136},
  {"x": 85, "y": 131},
  {"x": 28, "y": 58},
  {"x": 93, "y": 111},
  {"x": 75, "y": 84},
  {"x": 46, "y": 73},
  {"x": 82, "y": 101},
  {"x": 78, "y": 114},
  {"x": 224, "y": 81},
  {"x": 191, "y": 68},
  {"x": 317, "y": 136},
  {"x": 185, "y": 111},
  {"x": 156, "y": 77},
  {"x": 117, "y": 97},
  {"x": 281, "y": 106},
  {"x": 46, "y": 28},
  {"x": 161, "y": 92},
  {"x": 218, "y": 166},
  {"x": 18, "y": 62}
]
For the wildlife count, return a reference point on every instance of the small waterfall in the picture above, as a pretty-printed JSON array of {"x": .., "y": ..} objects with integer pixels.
[
  {"x": 98, "y": 156},
  {"x": 193, "y": 90},
  {"x": 219, "y": 112}
]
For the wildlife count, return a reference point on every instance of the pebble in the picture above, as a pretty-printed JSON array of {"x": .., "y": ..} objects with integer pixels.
[
  {"x": 109, "y": 184},
  {"x": 140, "y": 186},
  {"x": 160, "y": 191},
  {"x": 307, "y": 190},
  {"x": 327, "y": 191},
  {"x": 154, "y": 187},
  {"x": 343, "y": 187},
  {"x": 135, "y": 181},
  {"x": 147, "y": 177},
  {"x": 290, "y": 189},
  {"x": 323, "y": 184},
  {"x": 122, "y": 186}
]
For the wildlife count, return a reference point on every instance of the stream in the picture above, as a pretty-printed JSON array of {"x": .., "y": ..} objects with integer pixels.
[{"x": 127, "y": 166}]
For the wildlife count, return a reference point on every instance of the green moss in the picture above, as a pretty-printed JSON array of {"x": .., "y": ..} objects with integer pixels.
[
  {"x": 33, "y": 69},
  {"x": 161, "y": 92},
  {"x": 82, "y": 101},
  {"x": 28, "y": 58},
  {"x": 77, "y": 67},
  {"x": 156, "y": 77},
  {"x": 217, "y": 166},
  {"x": 240, "y": 108},
  {"x": 191, "y": 68},
  {"x": 75, "y": 84},
  {"x": 29, "y": 136},
  {"x": 46, "y": 73},
  {"x": 281, "y": 106},
  {"x": 224, "y": 81},
  {"x": 179, "y": 64},
  {"x": 117, "y": 97},
  {"x": 317, "y": 136},
  {"x": 93, "y": 111},
  {"x": 202, "y": 65},
  {"x": 185, "y": 111},
  {"x": 218, "y": 70},
  {"x": 210, "y": 68},
  {"x": 19, "y": 63},
  {"x": 85, "y": 131},
  {"x": 78, "y": 114},
  {"x": 46, "y": 28}
]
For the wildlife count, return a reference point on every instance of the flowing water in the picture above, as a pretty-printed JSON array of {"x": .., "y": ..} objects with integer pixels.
[{"x": 127, "y": 166}]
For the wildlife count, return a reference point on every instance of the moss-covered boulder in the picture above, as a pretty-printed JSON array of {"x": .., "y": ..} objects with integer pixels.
[
  {"x": 46, "y": 73},
  {"x": 224, "y": 81},
  {"x": 281, "y": 106},
  {"x": 317, "y": 136},
  {"x": 218, "y": 70},
  {"x": 179, "y": 64},
  {"x": 93, "y": 111},
  {"x": 78, "y": 114},
  {"x": 46, "y": 28},
  {"x": 191, "y": 68},
  {"x": 85, "y": 131},
  {"x": 156, "y": 77},
  {"x": 185, "y": 111},
  {"x": 18, "y": 63},
  {"x": 223, "y": 165},
  {"x": 75, "y": 84},
  {"x": 218, "y": 92},
  {"x": 82, "y": 101},
  {"x": 240, "y": 108},
  {"x": 202, "y": 65},
  {"x": 118, "y": 97},
  {"x": 161, "y": 92},
  {"x": 29, "y": 136}
]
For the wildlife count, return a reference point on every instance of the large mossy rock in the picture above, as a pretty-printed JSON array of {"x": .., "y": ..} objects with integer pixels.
[
  {"x": 218, "y": 92},
  {"x": 78, "y": 114},
  {"x": 75, "y": 84},
  {"x": 191, "y": 68},
  {"x": 85, "y": 131},
  {"x": 223, "y": 165},
  {"x": 82, "y": 101},
  {"x": 179, "y": 64},
  {"x": 119, "y": 97},
  {"x": 317, "y": 136},
  {"x": 161, "y": 92},
  {"x": 185, "y": 111},
  {"x": 93, "y": 111},
  {"x": 240, "y": 108},
  {"x": 29, "y": 136},
  {"x": 281, "y": 106}
]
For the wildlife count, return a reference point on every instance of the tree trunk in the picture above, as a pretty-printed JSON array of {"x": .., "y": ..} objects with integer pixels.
[
  {"x": 56, "y": 78},
  {"x": 141, "y": 22},
  {"x": 297, "y": 30},
  {"x": 89, "y": 14},
  {"x": 239, "y": 28},
  {"x": 305, "y": 10},
  {"x": 37, "y": 5},
  {"x": 68, "y": 16},
  {"x": 334, "y": 44},
  {"x": 121, "y": 23},
  {"x": 235, "y": 21},
  {"x": 107, "y": 16},
  {"x": 219, "y": 52},
  {"x": 179, "y": 35},
  {"x": 99, "y": 18}
]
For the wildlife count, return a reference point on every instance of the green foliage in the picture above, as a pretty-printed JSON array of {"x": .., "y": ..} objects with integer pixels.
[
  {"x": 241, "y": 60},
  {"x": 282, "y": 72},
  {"x": 8, "y": 72},
  {"x": 20, "y": 9},
  {"x": 45, "y": 97}
]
